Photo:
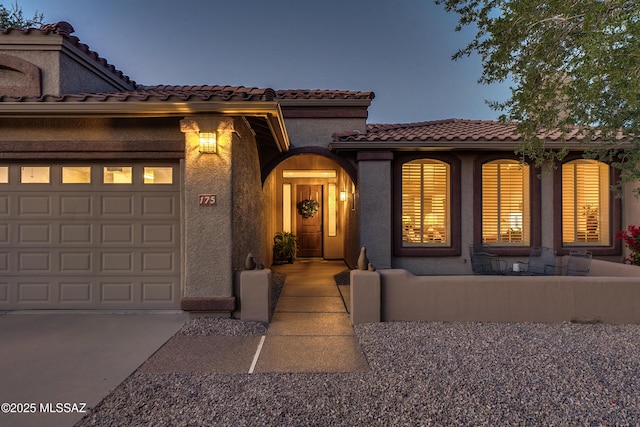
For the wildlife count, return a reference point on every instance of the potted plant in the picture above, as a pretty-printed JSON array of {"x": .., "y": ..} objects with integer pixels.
[{"x": 284, "y": 247}]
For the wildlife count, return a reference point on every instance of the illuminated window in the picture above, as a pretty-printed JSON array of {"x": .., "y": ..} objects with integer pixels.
[
  {"x": 585, "y": 203},
  {"x": 505, "y": 203},
  {"x": 118, "y": 175},
  {"x": 76, "y": 174},
  {"x": 158, "y": 175},
  {"x": 35, "y": 174},
  {"x": 425, "y": 203},
  {"x": 4, "y": 174},
  {"x": 309, "y": 173}
]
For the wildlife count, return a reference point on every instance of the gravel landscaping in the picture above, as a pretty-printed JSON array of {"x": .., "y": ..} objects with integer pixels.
[{"x": 441, "y": 374}]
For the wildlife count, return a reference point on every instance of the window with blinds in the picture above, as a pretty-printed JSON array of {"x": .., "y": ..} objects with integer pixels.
[
  {"x": 585, "y": 203},
  {"x": 425, "y": 203},
  {"x": 506, "y": 207}
]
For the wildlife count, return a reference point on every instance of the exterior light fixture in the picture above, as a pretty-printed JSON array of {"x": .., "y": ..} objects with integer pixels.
[
  {"x": 208, "y": 143},
  {"x": 343, "y": 196}
]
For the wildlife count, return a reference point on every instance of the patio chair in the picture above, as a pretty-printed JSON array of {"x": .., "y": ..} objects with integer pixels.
[
  {"x": 579, "y": 262},
  {"x": 484, "y": 262},
  {"x": 542, "y": 262}
]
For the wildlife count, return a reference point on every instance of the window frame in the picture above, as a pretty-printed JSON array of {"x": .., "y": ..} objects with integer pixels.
[
  {"x": 535, "y": 238},
  {"x": 615, "y": 213},
  {"x": 454, "y": 206}
]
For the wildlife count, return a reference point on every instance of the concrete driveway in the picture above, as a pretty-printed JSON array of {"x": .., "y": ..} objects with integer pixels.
[{"x": 55, "y": 366}]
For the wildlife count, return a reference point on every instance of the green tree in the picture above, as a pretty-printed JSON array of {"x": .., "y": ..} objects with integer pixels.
[
  {"x": 572, "y": 64},
  {"x": 13, "y": 17}
]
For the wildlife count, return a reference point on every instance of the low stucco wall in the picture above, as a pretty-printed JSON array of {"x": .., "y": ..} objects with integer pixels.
[{"x": 547, "y": 299}]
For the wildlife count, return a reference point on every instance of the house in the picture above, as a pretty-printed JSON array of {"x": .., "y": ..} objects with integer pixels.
[{"x": 115, "y": 195}]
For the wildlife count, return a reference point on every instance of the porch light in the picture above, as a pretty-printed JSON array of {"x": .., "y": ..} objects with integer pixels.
[
  {"x": 208, "y": 143},
  {"x": 343, "y": 196}
]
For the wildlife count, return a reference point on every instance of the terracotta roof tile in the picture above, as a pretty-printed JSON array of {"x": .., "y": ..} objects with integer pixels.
[
  {"x": 161, "y": 93},
  {"x": 322, "y": 94},
  {"x": 443, "y": 130},
  {"x": 65, "y": 29}
]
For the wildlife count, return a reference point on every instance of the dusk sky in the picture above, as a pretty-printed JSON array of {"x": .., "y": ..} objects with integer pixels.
[{"x": 399, "y": 49}]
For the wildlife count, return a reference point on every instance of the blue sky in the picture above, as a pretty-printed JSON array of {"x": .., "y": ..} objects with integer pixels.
[{"x": 399, "y": 49}]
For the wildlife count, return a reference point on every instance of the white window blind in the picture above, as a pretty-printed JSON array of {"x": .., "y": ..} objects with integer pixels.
[
  {"x": 425, "y": 203},
  {"x": 585, "y": 203},
  {"x": 505, "y": 203}
]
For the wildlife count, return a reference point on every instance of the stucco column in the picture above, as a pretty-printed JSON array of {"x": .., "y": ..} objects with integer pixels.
[
  {"x": 207, "y": 235},
  {"x": 376, "y": 204}
]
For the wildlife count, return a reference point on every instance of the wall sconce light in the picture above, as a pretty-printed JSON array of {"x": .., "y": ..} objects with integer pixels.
[
  {"x": 208, "y": 142},
  {"x": 343, "y": 196}
]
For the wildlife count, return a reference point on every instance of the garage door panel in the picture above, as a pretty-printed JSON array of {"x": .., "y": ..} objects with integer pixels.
[
  {"x": 75, "y": 293},
  {"x": 117, "y": 234},
  {"x": 158, "y": 262},
  {"x": 34, "y": 262},
  {"x": 117, "y": 292},
  {"x": 118, "y": 262},
  {"x": 112, "y": 291},
  {"x": 31, "y": 205},
  {"x": 117, "y": 206},
  {"x": 76, "y": 234},
  {"x": 4, "y": 292},
  {"x": 4, "y": 234},
  {"x": 76, "y": 205},
  {"x": 158, "y": 292},
  {"x": 105, "y": 246},
  {"x": 35, "y": 292},
  {"x": 153, "y": 234},
  {"x": 159, "y": 205},
  {"x": 34, "y": 233},
  {"x": 4, "y": 205},
  {"x": 75, "y": 262}
]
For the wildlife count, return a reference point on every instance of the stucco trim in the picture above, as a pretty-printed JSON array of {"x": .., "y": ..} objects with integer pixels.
[{"x": 344, "y": 163}]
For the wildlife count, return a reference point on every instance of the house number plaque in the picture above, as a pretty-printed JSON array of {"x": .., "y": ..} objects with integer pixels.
[{"x": 206, "y": 199}]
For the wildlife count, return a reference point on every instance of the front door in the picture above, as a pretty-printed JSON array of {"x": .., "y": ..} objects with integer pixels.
[{"x": 309, "y": 220}]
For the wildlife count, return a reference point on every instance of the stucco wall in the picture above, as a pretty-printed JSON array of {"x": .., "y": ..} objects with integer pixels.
[
  {"x": 65, "y": 68},
  {"x": 249, "y": 222},
  {"x": 405, "y": 297},
  {"x": 374, "y": 183},
  {"x": 207, "y": 230},
  {"x": 92, "y": 129},
  {"x": 317, "y": 132}
]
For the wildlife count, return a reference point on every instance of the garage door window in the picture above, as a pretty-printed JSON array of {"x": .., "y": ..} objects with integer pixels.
[
  {"x": 76, "y": 174},
  {"x": 35, "y": 174},
  {"x": 118, "y": 175},
  {"x": 158, "y": 175},
  {"x": 4, "y": 174}
]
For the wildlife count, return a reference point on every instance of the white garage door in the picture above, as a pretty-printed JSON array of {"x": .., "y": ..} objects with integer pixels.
[{"x": 89, "y": 236}]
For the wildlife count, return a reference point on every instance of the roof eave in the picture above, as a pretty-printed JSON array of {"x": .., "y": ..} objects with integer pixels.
[
  {"x": 270, "y": 110},
  {"x": 324, "y": 102},
  {"x": 448, "y": 145}
]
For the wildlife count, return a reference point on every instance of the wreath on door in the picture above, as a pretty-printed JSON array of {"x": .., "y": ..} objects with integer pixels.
[{"x": 308, "y": 208}]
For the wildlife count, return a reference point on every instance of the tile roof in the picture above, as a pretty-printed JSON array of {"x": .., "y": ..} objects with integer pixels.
[
  {"x": 65, "y": 29},
  {"x": 322, "y": 94},
  {"x": 443, "y": 130},
  {"x": 198, "y": 92},
  {"x": 161, "y": 93}
]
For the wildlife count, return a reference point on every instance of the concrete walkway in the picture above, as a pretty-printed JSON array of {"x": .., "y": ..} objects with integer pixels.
[{"x": 310, "y": 330}]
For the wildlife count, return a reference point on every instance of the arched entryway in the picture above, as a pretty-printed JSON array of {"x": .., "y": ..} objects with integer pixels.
[{"x": 313, "y": 196}]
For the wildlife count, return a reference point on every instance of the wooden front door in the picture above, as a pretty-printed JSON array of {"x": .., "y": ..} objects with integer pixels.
[{"x": 309, "y": 228}]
